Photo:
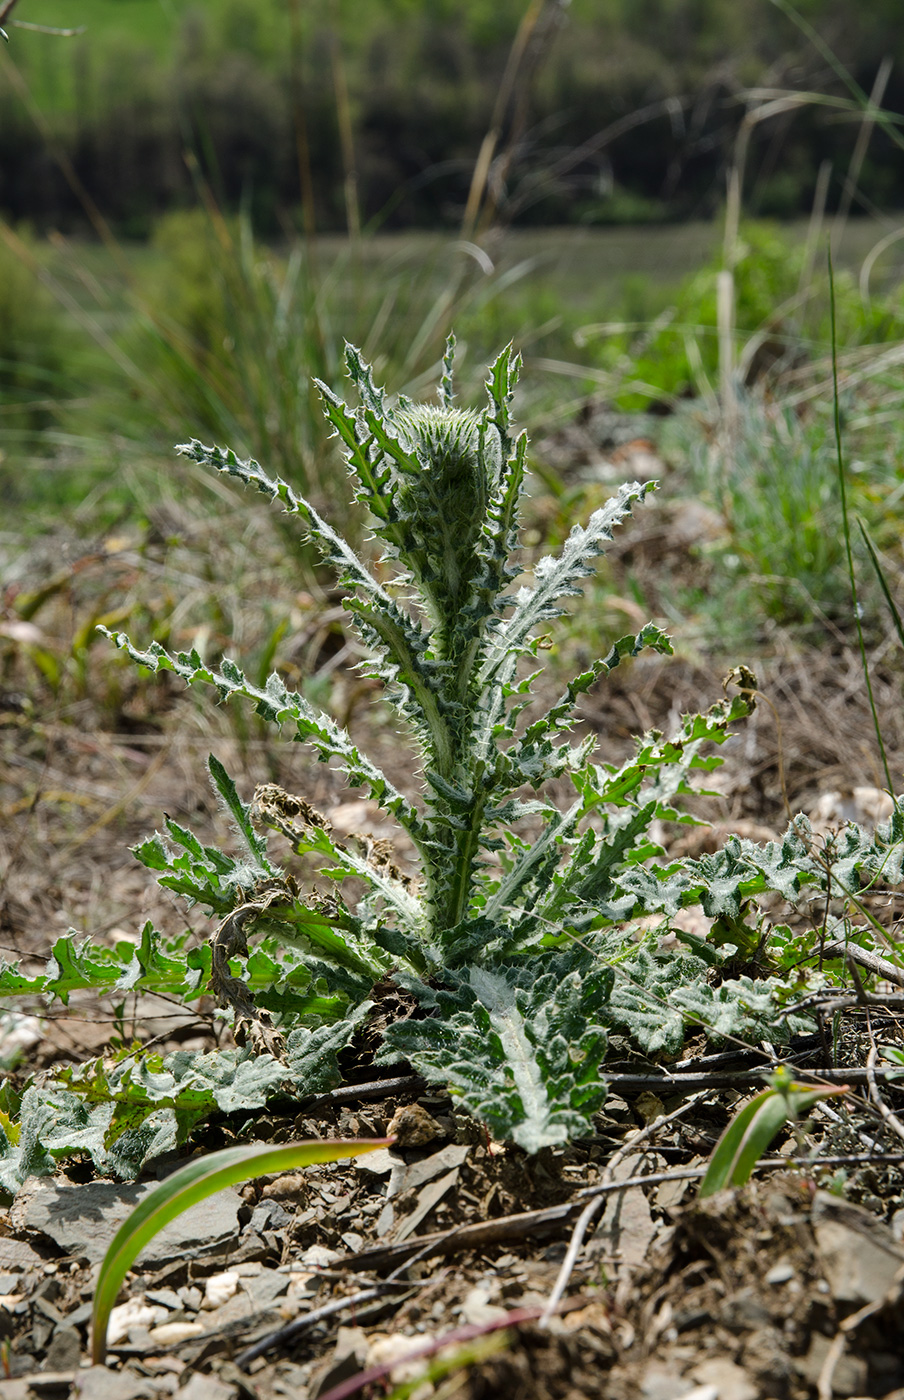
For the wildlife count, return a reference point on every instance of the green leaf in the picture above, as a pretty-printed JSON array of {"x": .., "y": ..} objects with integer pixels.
[
  {"x": 312, "y": 1054},
  {"x": 753, "y": 1128},
  {"x": 501, "y": 385},
  {"x": 281, "y": 706},
  {"x": 189, "y": 1084},
  {"x": 559, "y": 577},
  {"x": 192, "y": 1183},
  {"x": 240, "y": 812},
  {"x": 658, "y": 994},
  {"x": 74, "y": 967},
  {"x": 520, "y": 1044}
]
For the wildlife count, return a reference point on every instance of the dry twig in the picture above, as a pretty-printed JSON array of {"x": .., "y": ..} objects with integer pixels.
[
  {"x": 596, "y": 1203},
  {"x": 890, "y": 1118}
]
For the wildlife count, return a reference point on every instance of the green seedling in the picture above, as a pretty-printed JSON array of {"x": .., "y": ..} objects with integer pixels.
[
  {"x": 750, "y": 1132},
  {"x": 192, "y": 1183}
]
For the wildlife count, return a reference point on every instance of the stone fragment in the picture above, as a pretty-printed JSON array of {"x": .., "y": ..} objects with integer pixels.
[
  {"x": 430, "y": 1196},
  {"x": 412, "y": 1126},
  {"x": 731, "y": 1382},
  {"x": 265, "y": 1287},
  {"x": 859, "y": 1254},
  {"x": 393, "y": 1350},
  {"x": 65, "y": 1350},
  {"x": 102, "y": 1383},
  {"x": 169, "y": 1334},
  {"x": 319, "y": 1257},
  {"x": 419, "y": 1173},
  {"x": 201, "y": 1387},
  {"x": 269, "y": 1215},
  {"x": 83, "y": 1219},
  {"x": 349, "y": 1356},
  {"x": 48, "y": 1385},
  {"x": 477, "y": 1308},
  {"x": 379, "y": 1163},
  {"x": 162, "y": 1298},
  {"x": 850, "y": 1373},
  {"x": 219, "y": 1288},
  {"x": 626, "y": 1229},
  {"x": 662, "y": 1383},
  {"x": 252, "y": 1247},
  {"x": 17, "y": 1256},
  {"x": 16, "y": 1390},
  {"x": 135, "y": 1312}
]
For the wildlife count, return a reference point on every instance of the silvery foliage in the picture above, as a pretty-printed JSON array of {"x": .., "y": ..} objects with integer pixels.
[{"x": 518, "y": 939}]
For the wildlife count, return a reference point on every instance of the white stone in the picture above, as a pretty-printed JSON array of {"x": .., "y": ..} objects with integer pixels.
[
  {"x": 219, "y": 1288},
  {"x": 392, "y": 1351},
  {"x": 135, "y": 1313},
  {"x": 170, "y": 1333},
  {"x": 319, "y": 1257}
]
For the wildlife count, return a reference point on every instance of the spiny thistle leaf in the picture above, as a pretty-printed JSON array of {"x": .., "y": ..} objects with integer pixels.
[
  {"x": 656, "y": 995},
  {"x": 518, "y": 1045},
  {"x": 281, "y": 706},
  {"x": 559, "y": 577}
]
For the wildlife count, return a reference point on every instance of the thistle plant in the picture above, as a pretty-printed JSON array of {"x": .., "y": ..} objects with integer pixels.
[{"x": 515, "y": 936}]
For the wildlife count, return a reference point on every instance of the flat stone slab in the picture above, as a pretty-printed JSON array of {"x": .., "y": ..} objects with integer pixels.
[
  {"x": 16, "y": 1256},
  {"x": 82, "y": 1220}
]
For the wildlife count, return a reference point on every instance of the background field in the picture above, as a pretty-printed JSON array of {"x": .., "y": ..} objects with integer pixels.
[{"x": 375, "y": 112}]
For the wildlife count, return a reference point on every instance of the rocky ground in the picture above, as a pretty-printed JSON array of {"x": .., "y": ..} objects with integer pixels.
[{"x": 436, "y": 1263}]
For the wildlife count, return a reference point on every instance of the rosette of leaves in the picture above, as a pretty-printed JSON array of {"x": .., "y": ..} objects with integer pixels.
[{"x": 513, "y": 937}]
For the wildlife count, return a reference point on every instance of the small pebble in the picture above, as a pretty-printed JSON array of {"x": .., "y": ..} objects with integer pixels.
[
  {"x": 412, "y": 1126},
  {"x": 292, "y": 1185},
  {"x": 134, "y": 1313},
  {"x": 219, "y": 1289},
  {"x": 319, "y": 1257},
  {"x": 781, "y": 1272},
  {"x": 170, "y": 1333},
  {"x": 392, "y": 1350}
]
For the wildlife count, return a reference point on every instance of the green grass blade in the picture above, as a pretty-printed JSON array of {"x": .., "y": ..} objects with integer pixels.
[
  {"x": 883, "y": 581},
  {"x": 750, "y": 1132},
  {"x": 845, "y": 524},
  {"x": 194, "y": 1182}
]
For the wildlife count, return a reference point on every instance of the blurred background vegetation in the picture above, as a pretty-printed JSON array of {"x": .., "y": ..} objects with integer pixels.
[
  {"x": 199, "y": 203},
  {"x": 618, "y": 110}
]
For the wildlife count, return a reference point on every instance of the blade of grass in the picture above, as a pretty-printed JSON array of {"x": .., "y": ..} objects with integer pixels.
[
  {"x": 887, "y": 120},
  {"x": 846, "y": 527},
  {"x": 194, "y": 1182},
  {"x": 883, "y": 582},
  {"x": 750, "y": 1132}
]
